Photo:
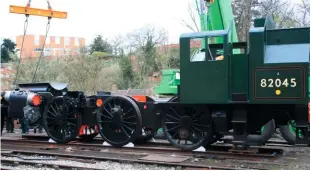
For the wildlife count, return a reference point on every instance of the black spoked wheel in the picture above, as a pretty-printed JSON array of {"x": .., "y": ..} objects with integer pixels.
[
  {"x": 187, "y": 128},
  {"x": 61, "y": 121},
  {"x": 119, "y": 120}
]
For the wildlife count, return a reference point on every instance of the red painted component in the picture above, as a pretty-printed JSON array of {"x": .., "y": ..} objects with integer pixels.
[
  {"x": 96, "y": 129},
  {"x": 82, "y": 128}
]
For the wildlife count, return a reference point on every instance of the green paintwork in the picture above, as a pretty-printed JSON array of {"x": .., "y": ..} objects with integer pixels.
[
  {"x": 216, "y": 17},
  {"x": 262, "y": 38},
  {"x": 275, "y": 77},
  {"x": 169, "y": 82},
  {"x": 292, "y": 128},
  {"x": 215, "y": 82},
  {"x": 210, "y": 78}
]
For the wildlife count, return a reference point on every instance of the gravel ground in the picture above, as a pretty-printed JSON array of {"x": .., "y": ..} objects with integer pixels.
[
  {"x": 25, "y": 167},
  {"x": 106, "y": 165}
]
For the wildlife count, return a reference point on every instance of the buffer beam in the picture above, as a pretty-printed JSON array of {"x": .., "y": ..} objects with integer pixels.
[{"x": 38, "y": 12}]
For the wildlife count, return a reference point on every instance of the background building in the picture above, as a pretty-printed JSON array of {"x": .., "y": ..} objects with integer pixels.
[{"x": 55, "y": 46}]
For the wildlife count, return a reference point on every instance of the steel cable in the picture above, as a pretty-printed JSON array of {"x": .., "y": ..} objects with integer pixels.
[
  {"x": 42, "y": 51},
  {"x": 21, "y": 50}
]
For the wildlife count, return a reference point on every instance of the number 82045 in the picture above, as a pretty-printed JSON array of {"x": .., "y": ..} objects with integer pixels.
[{"x": 278, "y": 82}]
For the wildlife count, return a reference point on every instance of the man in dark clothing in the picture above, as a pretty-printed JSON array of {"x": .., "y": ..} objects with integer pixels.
[
  {"x": 9, "y": 125},
  {"x": 25, "y": 126}
]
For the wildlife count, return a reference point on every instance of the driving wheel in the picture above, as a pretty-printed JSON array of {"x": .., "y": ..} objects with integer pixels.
[
  {"x": 187, "y": 127},
  {"x": 61, "y": 121},
  {"x": 119, "y": 120}
]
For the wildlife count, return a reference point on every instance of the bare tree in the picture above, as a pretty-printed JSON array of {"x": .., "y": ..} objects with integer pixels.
[
  {"x": 304, "y": 11},
  {"x": 143, "y": 42},
  {"x": 139, "y": 38},
  {"x": 193, "y": 24},
  {"x": 118, "y": 45}
]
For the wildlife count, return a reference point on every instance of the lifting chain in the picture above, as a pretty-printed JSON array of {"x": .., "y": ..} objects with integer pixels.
[
  {"x": 42, "y": 51},
  {"x": 21, "y": 50}
]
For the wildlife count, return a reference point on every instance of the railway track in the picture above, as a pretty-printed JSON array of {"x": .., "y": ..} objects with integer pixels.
[
  {"x": 132, "y": 155},
  {"x": 136, "y": 154},
  {"x": 223, "y": 151},
  {"x": 225, "y": 140},
  {"x": 147, "y": 154}
]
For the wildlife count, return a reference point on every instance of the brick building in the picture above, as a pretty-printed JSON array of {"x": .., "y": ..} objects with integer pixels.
[{"x": 54, "y": 46}]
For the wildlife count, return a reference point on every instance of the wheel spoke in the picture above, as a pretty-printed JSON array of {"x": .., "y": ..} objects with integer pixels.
[
  {"x": 172, "y": 117},
  {"x": 129, "y": 123},
  {"x": 198, "y": 130},
  {"x": 128, "y": 127},
  {"x": 172, "y": 122},
  {"x": 57, "y": 108},
  {"x": 104, "y": 121},
  {"x": 50, "y": 118},
  {"x": 128, "y": 111},
  {"x": 109, "y": 105},
  {"x": 105, "y": 116},
  {"x": 134, "y": 116},
  {"x": 125, "y": 132},
  {"x": 54, "y": 110},
  {"x": 108, "y": 112},
  {"x": 69, "y": 123},
  {"x": 173, "y": 128},
  {"x": 53, "y": 114},
  {"x": 175, "y": 112}
]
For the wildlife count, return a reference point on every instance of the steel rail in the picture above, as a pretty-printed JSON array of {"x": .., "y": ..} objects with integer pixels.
[{"x": 268, "y": 152}]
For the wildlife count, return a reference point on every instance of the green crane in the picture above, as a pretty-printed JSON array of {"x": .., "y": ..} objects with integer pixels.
[{"x": 215, "y": 15}]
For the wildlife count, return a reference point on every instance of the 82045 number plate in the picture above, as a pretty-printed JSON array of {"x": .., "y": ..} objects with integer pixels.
[{"x": 279, "y": 83}]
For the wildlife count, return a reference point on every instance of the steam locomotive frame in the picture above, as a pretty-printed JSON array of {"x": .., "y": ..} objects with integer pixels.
[{"x": 234, "y": 91}]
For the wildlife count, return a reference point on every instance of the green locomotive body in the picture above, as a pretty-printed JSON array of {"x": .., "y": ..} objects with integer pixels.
[
  {"x": 273, "y": 70},
  {"x": 266, "y": 81}
]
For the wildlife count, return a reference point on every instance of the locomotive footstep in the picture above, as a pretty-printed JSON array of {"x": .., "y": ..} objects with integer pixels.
[
  {"x": 201, "y": 149},
  {"x": 126, "y": 145},
  {"x": 51, "y": 140}
]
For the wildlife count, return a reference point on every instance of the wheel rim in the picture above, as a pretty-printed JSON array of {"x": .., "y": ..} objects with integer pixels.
[
  {"x": 61, "y": 121},
  {"x": 186, "y": 128},
  {"x": 119, "y": 120}
]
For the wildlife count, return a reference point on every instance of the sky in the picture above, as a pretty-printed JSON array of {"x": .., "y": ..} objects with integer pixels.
[{"x": 86, "y": 18}]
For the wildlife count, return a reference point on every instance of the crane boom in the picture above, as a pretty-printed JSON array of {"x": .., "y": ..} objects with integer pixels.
[{"x": 215, "y": 15}]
